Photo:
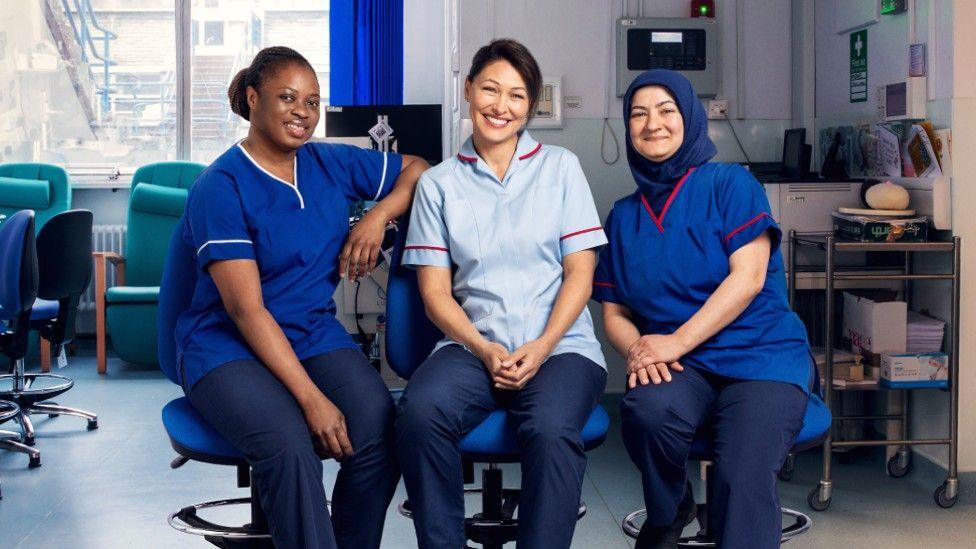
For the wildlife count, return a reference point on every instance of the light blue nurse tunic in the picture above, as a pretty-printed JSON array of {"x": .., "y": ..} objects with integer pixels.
[{"x": 505, "y": 239}]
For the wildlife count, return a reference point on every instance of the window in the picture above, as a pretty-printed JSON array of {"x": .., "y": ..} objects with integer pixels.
[
  {"x": 299, "y": 24},
  {"x": 93, "y": 83},
  {"x": 213, "y": 32}
]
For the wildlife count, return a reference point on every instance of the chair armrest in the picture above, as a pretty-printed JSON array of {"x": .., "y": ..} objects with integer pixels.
[{"x": 117, "y": 260}]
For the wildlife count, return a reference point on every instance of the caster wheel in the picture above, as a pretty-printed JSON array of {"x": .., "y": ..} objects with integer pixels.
[
  {"x": 895, "y": 467},
  {"x": 92, "y": 424},
  {"x": 814, "y": 501},
  {"x": 35, "y": 462},
  {"x": 53, "y": 415},
  {"x": 940, "y": 497},
  {"x": 29, "y": 441}
]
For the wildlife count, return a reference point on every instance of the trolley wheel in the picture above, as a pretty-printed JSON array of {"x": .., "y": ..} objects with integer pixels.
[
  {"x": 29, "y": 440},
  {"x": 35, "y": 462},
  {"x": 92, "y": 424},
  {"x": 895, "y": 468},
  {"x": 814, "y": 501},
  {"x": 53, "y": 415},
  {"x": 940, "y": 497}
]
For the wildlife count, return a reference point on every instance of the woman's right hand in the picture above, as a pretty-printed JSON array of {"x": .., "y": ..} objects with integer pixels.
[
  {"x": 328, "y": 428},
  {"x": 492, "y": 355}
]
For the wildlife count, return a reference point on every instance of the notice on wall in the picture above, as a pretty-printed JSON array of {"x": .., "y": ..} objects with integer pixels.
[{"x": 859, "y": 66}]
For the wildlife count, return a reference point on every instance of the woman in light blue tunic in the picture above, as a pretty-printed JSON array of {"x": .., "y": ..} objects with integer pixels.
[{"x": 503, "y": 238}]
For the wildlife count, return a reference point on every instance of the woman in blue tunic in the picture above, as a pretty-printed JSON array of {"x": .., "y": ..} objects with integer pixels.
[
  {"x": 694, "y": 298},
  {"x": 262, "y": 356},
  {"x": 503, "y": 239}
]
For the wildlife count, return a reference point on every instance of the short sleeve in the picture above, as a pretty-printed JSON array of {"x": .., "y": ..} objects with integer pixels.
[
  {"x": 745, "y": 211},
  {"x": 580, "y": 227},
  {"x": 370, "y": 174},
  {"x": 215, "y": 223},
  {"x": 605, "y": 279},
  {"x": 427, "y": 242}
]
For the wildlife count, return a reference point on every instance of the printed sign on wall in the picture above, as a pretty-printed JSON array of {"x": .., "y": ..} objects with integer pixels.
[{"x": 859, "y": 66}]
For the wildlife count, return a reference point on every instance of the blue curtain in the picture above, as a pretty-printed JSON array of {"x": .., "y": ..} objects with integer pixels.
[{"x": 366, "y": 52}]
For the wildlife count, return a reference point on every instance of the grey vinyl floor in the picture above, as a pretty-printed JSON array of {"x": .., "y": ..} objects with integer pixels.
[{"x": 113, "y": 487}]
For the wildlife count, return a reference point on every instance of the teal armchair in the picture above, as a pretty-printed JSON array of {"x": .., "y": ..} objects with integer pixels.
[
  {"x": 127, "y": 312},
  {"x": 43, "y": 188}
]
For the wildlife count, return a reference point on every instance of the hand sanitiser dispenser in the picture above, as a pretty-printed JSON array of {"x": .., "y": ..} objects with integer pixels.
[{"x": 686, "y": 45}]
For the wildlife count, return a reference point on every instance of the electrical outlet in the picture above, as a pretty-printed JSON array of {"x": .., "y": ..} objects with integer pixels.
[{"x": 718, "y": 109}]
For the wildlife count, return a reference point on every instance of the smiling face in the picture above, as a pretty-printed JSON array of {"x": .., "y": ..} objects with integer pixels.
[
  {"x": 286, "y": 108},
  {"x": 655, "y": 124},
  {"x": 499, "y": 101}
]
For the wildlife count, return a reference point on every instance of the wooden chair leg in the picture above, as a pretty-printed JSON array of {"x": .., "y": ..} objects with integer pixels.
[
  {"x": 45, "y": 355},
  {"x": 100, "y": 359}
]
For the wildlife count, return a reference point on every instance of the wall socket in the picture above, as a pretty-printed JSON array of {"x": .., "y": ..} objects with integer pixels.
[{"x": 718, "y": 109}]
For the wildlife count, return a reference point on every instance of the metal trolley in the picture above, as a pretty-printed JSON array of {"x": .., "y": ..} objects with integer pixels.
[{"x": 947, "y": 493}]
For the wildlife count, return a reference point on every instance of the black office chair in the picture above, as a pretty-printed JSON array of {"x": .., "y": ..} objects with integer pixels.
[
  {"x": 18, "y": 290},
  {"x": 64, "y": 263}
]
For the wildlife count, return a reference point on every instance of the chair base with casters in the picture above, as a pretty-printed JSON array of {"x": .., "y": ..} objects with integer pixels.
[
  {"x": 194, "y": 439},
  {"x": 816, "y": 422},
  {"x": 32, "y": 392},
  {"x": 493, "y": 442},
  {"x": 12, "y": 441}
]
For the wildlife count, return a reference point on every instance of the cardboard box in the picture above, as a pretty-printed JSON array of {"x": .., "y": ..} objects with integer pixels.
[
  {"x": 906, "y": 371},
  {"x": 875, "y": 326},
  {"x": 865, "y": 228}
]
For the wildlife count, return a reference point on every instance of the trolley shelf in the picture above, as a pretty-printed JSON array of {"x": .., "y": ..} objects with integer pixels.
[{"x": 946, "y": 494}]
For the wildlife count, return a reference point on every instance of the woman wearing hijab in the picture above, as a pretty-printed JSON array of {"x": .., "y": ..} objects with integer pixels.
[{"x": 694, "y": 297}]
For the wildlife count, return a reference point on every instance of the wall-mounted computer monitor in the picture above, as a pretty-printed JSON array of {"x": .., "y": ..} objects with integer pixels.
[{"x": 416, "y": 128}]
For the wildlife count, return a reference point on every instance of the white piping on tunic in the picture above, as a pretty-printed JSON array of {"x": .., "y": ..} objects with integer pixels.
[
  {"x": 209, "y": 242},
  {"x": 301, "y": 201},
  {"x": 382, "y": 179}
]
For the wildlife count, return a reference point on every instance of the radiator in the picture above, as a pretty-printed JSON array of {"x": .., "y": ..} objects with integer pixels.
[{"x": 105, "y": 238}]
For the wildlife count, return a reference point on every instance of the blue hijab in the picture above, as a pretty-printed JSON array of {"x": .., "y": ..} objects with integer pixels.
[{"x": 656, "y": 179}]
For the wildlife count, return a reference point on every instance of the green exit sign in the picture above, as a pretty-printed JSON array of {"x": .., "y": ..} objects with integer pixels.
[{"x": 892, "y": 6}]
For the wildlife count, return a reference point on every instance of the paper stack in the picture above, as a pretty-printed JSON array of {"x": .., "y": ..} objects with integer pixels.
[{"x": 924, "y": 333}]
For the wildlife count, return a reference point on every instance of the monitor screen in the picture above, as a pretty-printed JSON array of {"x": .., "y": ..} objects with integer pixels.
[
  {"x": 793, "y": 141},
  {"x": 416, "y": 129}
]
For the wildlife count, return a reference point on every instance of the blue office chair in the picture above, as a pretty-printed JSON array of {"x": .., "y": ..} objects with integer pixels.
[
  {"x": 18, "y": 290},
  {"x": 410, "y": 337},
  {"x": 63, "y": 252},
  {"x": 816, "y": 423},
  {"x": 189, "y": 434}
]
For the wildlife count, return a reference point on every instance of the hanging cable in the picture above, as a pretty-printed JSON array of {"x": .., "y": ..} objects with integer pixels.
[
  {"x": 603, "y": 144},
  {"x": 741, "y": 148}
]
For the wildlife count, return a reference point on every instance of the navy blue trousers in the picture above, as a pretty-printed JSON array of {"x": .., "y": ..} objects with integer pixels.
[
  {"x": 753, "y": 425},
  {"x": 450, "y": 394},
  {"x": 247, "y": 404}
]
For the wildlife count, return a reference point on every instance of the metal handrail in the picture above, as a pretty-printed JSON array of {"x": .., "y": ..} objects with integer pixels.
[{"x": 86, "y": 17}]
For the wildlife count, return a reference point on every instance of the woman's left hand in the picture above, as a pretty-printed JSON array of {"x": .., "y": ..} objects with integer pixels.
[
  {"x": 362, "y": 247},
  {"x": 522, "y": 365}
]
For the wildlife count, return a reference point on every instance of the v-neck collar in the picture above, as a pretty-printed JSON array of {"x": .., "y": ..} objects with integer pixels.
[
  {"x": 301, "y": 200},
  {"x": 525, "y": 148},
  {"x": 659, "y": 220}
]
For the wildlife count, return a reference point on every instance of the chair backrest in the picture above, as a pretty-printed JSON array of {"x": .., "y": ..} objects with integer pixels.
[
  {"x": 410, "y": 335},
  {"x": 64, "y": 262},
  {"x": 156, "y": 202},
  {"x": 18, "y": 281},
  {"x": 18, "y": 265},
  {"x": 43, "y": 188},
  {"x": 175, "y": 294}
]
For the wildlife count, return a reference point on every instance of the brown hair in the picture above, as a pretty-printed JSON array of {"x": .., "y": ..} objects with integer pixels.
[
  {"x": 521, "y": 60},
  {"x": 265, "y": 64}
]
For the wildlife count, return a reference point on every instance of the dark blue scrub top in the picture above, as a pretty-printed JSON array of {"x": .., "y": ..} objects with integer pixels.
[
  {"x": 237, "y": 210},
  {"x": 664, "y": 265}
]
